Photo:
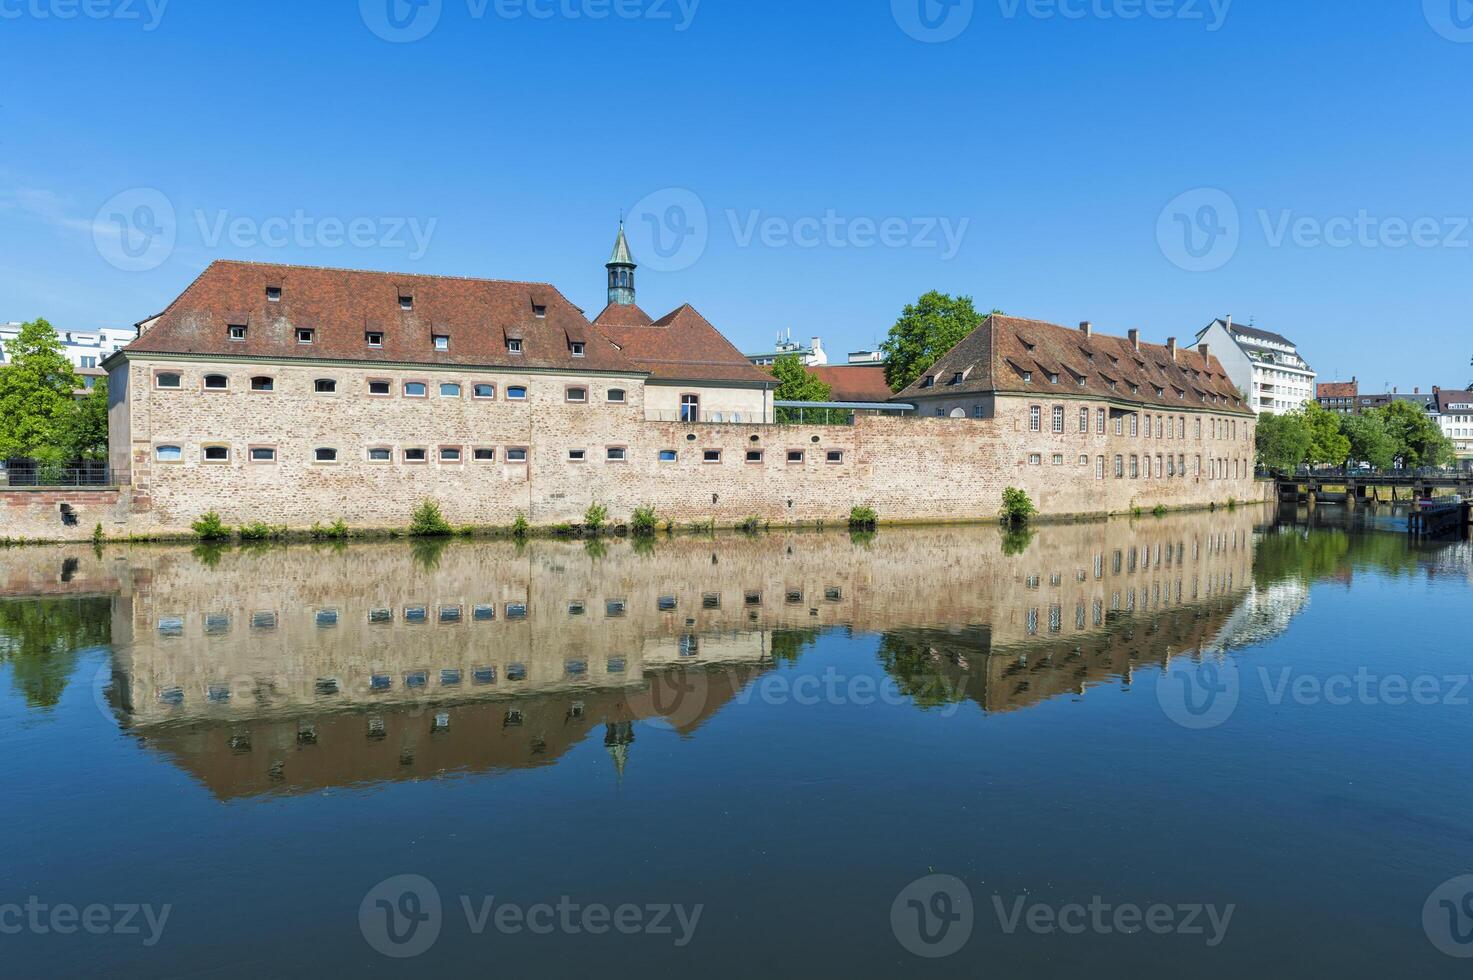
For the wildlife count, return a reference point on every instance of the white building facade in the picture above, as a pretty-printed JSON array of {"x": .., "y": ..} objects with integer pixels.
[
  {"x": 812, "y": 354},
  {"x": 84, "y": 348},
  {"x": 1266, "y": 366},
  {"x": 1455, "y": 417}
]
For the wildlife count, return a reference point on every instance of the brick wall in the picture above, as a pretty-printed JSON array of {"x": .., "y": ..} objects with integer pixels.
[{"x": 907, "y": 469}]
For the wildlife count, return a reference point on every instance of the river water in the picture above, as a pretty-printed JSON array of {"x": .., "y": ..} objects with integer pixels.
[{"x": 1213, "y": 745}]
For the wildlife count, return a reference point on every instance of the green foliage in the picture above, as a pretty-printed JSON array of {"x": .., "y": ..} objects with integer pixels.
[
  {"x": 1015, "y": 540},
  {"x": 645, "y": 522},
  {"x": 84, "y": 432},
  {"x": 796, "y": 384},
  {"x": 260, "y": 531},
  {"x": 97, "y": 534},
  {"x": 926, "y": 330},
  {"x": 930, "y": 681},
  {"x": 595, "y": 517},
  {"x": 337, "y": 531},
  {"x": 1416, "y": 440},
  {"x": 1159, "y": 510},
  {"x": 863, "y": 519},
  {"x": 751, "y": 525},
  {"x": 1017, "y": 508},
  {"x": 1327, "y": 444},
  {"x": 520, "y": 527},
  {"x": 428, "y": 522},
  {"x": 210, "y": 528},
  {"x": 41, "y": 640},
  {"x": 36, "y": 396},
  {"x": 426, "y": 551},
  {"x": 1370, "y": 440},
  {"x": 1283, "y": 441}
]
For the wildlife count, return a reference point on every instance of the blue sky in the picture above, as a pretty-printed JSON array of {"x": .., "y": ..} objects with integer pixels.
[{"x": 1067, "y": 146}]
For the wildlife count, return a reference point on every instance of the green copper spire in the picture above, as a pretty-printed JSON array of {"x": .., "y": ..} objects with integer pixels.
[{"x": 621, "y": 272}]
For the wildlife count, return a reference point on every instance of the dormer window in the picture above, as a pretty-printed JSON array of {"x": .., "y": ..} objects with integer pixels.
[
  {"x": 442, "y": 342},
  {"x": 273, "y": 294},
  {"x": 1053, "y": 379},
  {"x": 513, "y": 346},
  {"x": 930, "y": 381},
  {"x": 956, "y": 378},
  {"x": 578, "y": 348},
  {"x": 374, "y": 338},
  {"x": 1028, "y": 376},
  {"x": 539, "y": 311},
  {"x": 304, "y": 336},
  {"x": 406, "y": 302},
  {"x": 236, "y": 333}
]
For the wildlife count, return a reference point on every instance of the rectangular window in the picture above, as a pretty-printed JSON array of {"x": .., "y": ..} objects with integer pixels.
[
  {"x": 576, "y": 395},
  {"x": 442, "y": 342},
  {"x": 1135, "y": 426},
  {"x": 263, "y": 454},
  {"x": 1035, "y": 459},
  {"x": 168, "y": 379},
  {"x": 169, "y": 454},
  {"x": 1058, "y": 459},
  {"x": 616, "y": 396},
  {"x": 1084, "y": 421},
  {"x": 1135, "y": 467},
  {"x": 416, "y": 389},
  {"x": 1120, "y": 425},
  {"x": 263, "y": 384},
  {"x": 835, "y": 456},
  {"x": 577, "y": 455},
  {"x": 1100, "y": 421},
  {"x": 449, "y": 390},
  {"x": 513, "y": 346},
  {"x": 1099, "y": 467},
  {"x": 516, "y": 454},
  {"x": 516, "y": 393},
  {"x": 406, "y": 303},
  {"x": 451, "y": 454},
  {"x": 379, "y": 389},
  {"x": 485, "y": 455},
  {"x": 484, "y": 391},
  {"x": 711, "y": 456},
  {"x": 1035, "y": 418},
  {"x": 304, "y": 336},
  {"x": 324, "y": 455},
  {"x": 668, "y": 455},
  {"x": 416, "y": 455},
  {"x": 236, "y": 333},
  {"x": 1119, "y": 467},
  {"x": 617, "y": 454},
  {"x": 795, "y": 456},
  {"x": 216, "y": 454},
  {"x": 216, "y": 382},
  {"x": 754, "y": 455},
  {"x": 1059, "y": 420},
  {"x": 577, "y": 349},
  {"x": 380, "y": 454}
]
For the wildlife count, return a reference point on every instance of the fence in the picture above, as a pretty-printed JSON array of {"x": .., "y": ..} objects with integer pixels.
[{"x": 32, "y": 475}]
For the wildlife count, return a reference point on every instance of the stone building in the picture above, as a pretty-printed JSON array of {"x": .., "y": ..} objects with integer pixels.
[{"x": 297, "y": 395}]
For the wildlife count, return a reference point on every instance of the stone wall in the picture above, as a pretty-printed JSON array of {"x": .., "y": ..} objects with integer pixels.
[{"x": 908, "y": 469}]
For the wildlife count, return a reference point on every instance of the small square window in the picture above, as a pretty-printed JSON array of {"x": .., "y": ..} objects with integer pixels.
[
  {"x": 1035, "y": 459},
  {"x": 273, "y": 294},
  {"x": 711, "y": 456},
  {"x": 754, "y": 455},
  {"x": 485, "y": 456},
  {"x": 406, "y": 302},
  {"x": 539, "y": 311},
  {"x": 442, "y": 342},
  {"x": 577, "y": 349},
  {"x": 217, "y": 454},
  {"x": 795, "y": 456},
  {"x": 304, "y": 336},
  {"x": 835, "y": 456},
  {"x": 617, "y": 454},
  {"x": 577, "y": 455},
  {"x": 380, "y": 388},
  {"x": 615, "y": 608},
  {"x": 237, "y": 333},
  {"x": 325, "y": 455},
  {"x": 374, "y": 338},
  {"x": 513, "y": 346}
]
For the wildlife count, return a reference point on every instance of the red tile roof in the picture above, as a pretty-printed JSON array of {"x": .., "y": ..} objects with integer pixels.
[
  {"x": 1003, "y": 349},
  {"x": 683, "y": 346},
  {"x": 615, "y": 315},
  {"x": 855, "y": 382},
  {"x": 342, "y": 306},
  {"x": 1337, "y": 389}
]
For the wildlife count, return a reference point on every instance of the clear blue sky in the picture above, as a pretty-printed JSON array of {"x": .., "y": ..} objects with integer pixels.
[{"x": 1059, "y": 140}]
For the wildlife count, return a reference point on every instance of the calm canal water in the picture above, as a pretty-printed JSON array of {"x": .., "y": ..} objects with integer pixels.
[{"x": 1216, "y": 745}]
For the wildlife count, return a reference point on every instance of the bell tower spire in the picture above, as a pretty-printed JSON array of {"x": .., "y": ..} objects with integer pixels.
[{"x": 621, "y": 272}]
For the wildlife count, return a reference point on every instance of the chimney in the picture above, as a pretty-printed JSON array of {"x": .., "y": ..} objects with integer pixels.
[
  {"x": 1205, "y": 351},
  {"x": 1135, "y": 339},
  {"x": 1229, "y": 323},
  {"x": 1436, "y": 390},
  {"x": 1087, "y": 328},
  {"x": 1416, "y": 391},
  {"x": 1171, "y": 347}
]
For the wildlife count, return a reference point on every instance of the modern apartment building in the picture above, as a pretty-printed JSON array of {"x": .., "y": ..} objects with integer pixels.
[{"x": 1265, "y": 366}]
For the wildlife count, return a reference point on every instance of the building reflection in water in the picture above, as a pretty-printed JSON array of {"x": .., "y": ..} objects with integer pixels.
[{"x": 297, "y": 668}]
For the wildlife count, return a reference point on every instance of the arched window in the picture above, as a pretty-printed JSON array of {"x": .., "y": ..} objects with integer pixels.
[
  {"x": 516, "y": 393},
  {"x": 263, "y": 383},
  {"x": 325, "y": 386},
  {"x": 617, "y": 396},
  {"x": 450, "y": 390},
  {"x": 484, "y": 391},
  {"x": 168, "y": 379},
  {"x": 216, "y": 382},
  {"x": 690, "y": 408},
  {"x": 169, "y": 454}
]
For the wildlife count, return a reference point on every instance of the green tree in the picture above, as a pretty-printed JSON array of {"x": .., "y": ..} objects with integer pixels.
[
  {"x": 1327, "y": 444},
  {"x": 36, "y": 395},
  {"x": 85, "y": 431},
  {"x": 1369, "y": 440},
  {"x": 928, "y": 328},
  {"x": 1283, "y": 441},
  {"x": 1415, "y": 438},
  {"x": 795, "y": 383}
]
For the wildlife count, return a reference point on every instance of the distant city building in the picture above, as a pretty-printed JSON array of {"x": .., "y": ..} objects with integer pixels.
[
  {"x": 812, "y": 355},
  {"x": 1265, "y": 366},
  {"x": 1455, "y": 417},
  {"x": 867, "y": 357},
  {"x": 86, "y": 349},
  {"x": 1338, "y": 396}
]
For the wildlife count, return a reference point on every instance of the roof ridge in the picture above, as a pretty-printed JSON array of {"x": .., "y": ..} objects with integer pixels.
[{"x": 376, "y": 272}]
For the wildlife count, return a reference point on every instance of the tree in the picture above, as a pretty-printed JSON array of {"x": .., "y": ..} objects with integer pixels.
[
  {"x": 36, "y": 395},
  {"x": 1416, "y": 440},
  {"x": 1283, "y": 441},
  {"x": 1369, "y": 440},
  {"x": 928, "y": 328},
  {"x": 1327, "y": 444},
  {"x": 85, "y": 432},
  {"x": 796, "y": 384}
]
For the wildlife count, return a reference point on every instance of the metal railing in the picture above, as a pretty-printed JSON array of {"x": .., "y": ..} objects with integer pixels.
[{"x": 61, "y": 477}]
